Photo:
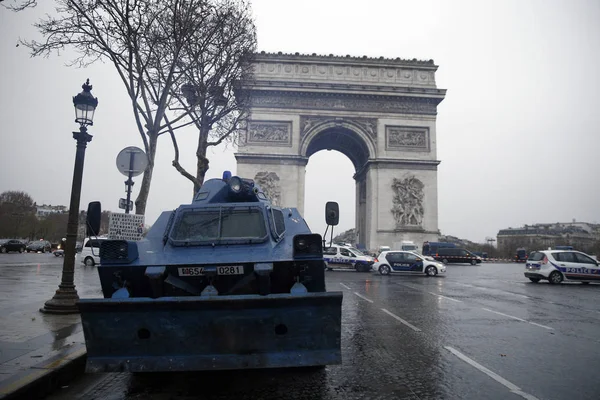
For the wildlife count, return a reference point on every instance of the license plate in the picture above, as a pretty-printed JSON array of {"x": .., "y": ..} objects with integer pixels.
[
  {"x": 221, "y": 270},
  {"x": 191, "y": 271},
  {"x": 230, "y": 270}
]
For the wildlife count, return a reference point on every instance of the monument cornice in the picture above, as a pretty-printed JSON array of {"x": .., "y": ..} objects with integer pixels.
[
  {"x": 427, "y": 165},
  {"x": 343, "y": 60},
  {"x": 277, "y": 159}
]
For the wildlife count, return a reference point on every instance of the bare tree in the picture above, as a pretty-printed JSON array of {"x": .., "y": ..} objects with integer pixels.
[
  {"x": 18, "y": 5},
  {"x": 218, "y": 60},
  {"x": 144, "y": 40}
]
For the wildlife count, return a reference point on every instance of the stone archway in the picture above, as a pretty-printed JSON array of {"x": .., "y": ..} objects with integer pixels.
[{"x": 380, "y": 113}]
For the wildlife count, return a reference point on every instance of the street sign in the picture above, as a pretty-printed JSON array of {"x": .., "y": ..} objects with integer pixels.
[
  {"x": 125, "y": 226},
  {"x": 132, "y": 160},
  {"x": 123, "y": 204}
]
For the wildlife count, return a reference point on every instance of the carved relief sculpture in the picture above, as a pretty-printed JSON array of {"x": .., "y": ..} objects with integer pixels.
[
  {"x": 267, "y": 132},
  {"x": 407, "y": 138},
  {"x": 407, "y": 206},
  {"x": 368, "y": 125},
  {"x": 269, "y": 183},
  {"x": 315, "y": 102}
]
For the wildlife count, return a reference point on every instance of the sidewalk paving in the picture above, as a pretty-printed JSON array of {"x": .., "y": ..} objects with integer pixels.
[{"x": 39, "y": 351}]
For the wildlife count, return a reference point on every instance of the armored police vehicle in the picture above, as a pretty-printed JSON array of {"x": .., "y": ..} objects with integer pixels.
[{"x": 227, "y": 282}]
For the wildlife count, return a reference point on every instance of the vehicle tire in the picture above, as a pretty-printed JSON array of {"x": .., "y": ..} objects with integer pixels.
[
  {"x": 384, "y": 270},
  {"x": 89, "y": 262},
  {"x": 555, "y": 278},
  {"x": 431, "y": 271},
  {"x": 445, "y": 261},
  {"x": 3, "y": 250},
  {"x": 534, "y": 280},
  {"x": 20, "y": 250},
  {"x": 473, "y": 262}
]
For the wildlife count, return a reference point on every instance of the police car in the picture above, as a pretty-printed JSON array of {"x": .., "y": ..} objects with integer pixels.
[
  {"x": 341, "y": 256},
  {"x": 559, "y": 265},
  {"x": 407, "y": 261}
]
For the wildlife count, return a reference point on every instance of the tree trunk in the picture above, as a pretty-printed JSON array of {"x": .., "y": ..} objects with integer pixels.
[
  {"x": 202, "y": 163},
  {"x": 142, "y": 199}
]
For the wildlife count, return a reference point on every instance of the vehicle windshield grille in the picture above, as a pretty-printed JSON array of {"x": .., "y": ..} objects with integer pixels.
[{"x": 219, "y": 224}]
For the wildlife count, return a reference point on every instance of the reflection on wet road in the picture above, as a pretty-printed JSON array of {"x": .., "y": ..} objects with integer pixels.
[{"x": 481, "y": 332}]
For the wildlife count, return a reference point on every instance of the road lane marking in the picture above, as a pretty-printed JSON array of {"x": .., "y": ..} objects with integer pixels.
[
  {"x": 444, "y": 297},
  {"x": 414, "y": 328},
  {"x": 509, "y": 385},
  {"x": 344, "y": 286},
  {"x": 363, "y": 297},
  {"x": 493, "y": 289},
  {"x": 435, "y": 294},
  {"x": 518, "y": 319}
]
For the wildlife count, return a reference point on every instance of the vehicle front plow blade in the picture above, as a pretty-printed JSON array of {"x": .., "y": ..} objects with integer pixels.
[{"x": 212, "y": 333}]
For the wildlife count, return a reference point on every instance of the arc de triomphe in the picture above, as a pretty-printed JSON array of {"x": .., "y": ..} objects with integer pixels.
[{"x": 380, "y": 113}]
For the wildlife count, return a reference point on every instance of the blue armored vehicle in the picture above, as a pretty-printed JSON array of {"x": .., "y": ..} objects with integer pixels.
[{"x": 227, "y": 282}]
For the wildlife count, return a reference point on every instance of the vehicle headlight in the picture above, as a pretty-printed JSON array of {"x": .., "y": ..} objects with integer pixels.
[{"x": 235, "y": 184}]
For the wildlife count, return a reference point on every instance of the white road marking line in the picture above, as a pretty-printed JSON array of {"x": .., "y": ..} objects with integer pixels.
[
  {"x": 414, "y": 328},
  {"x": 519, "y": 319},
  {"x": 510, "y": 386},
  {"x": 444, "y": 297},
  {"x": 493, "y": 289},
  {"x": 344, "y": 286},
  {"x": 363, "y": 297},
  {"x": 463, "y": 284}
]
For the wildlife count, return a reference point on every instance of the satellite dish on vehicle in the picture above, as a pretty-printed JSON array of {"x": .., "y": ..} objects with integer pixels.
[{"x": 132, "y": 161}]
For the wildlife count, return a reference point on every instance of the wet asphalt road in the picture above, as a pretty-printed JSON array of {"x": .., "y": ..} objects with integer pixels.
[{"x": 480, "y": 332}]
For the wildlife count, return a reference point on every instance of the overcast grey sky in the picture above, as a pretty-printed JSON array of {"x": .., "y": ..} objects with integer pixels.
[{"x": 517, "y": 134}]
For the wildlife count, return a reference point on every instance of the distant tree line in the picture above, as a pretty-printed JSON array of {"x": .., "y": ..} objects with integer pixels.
[{"x": 18, "y": 220}]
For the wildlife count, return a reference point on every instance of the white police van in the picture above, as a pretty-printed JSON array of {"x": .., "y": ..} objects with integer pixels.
[{"x": 341, "y": 256}]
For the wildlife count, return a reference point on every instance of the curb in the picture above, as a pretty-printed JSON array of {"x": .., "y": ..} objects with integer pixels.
[{"x": 41, "y": 379}]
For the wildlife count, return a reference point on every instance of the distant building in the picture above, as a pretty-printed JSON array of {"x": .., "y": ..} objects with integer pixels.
[
  {"x": 45, "y": 210},
  {"x": 581, "y": 235}
]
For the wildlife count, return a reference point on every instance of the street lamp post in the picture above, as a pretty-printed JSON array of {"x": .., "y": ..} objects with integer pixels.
[{"x": 65, "y": 299}]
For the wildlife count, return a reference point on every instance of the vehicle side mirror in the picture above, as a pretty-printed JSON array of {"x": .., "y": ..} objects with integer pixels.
[
  {"x": 92, "y": 220},
  {"x": 332, "y": 213}
]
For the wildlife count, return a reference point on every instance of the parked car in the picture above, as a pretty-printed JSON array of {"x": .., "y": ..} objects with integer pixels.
[
  {"x": 39, "y": 245},
  {"x": 8, "y": 245},
  {"x": 456, "y": 255},
  {"x": 558, "y": 265},
  {"x": 407, "y": 261}
]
